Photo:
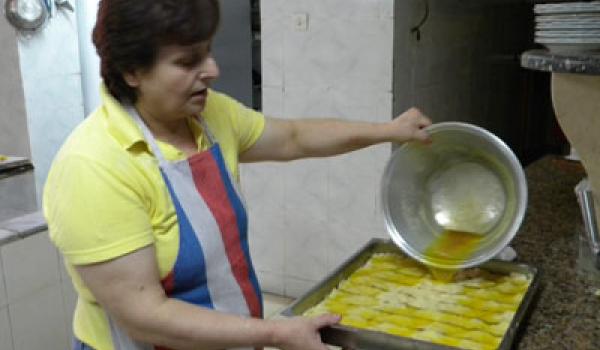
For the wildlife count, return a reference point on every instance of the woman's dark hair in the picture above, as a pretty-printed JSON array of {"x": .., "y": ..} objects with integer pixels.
[{"x": 128, "y": 34}]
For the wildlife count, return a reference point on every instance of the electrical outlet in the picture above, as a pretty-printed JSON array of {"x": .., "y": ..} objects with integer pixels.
[{"x": 300, "y": 22}]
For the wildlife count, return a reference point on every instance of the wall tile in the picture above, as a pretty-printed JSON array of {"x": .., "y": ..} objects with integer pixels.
[
  {"x": 307, "y": 102},
  {"x": 271, "y": 282},
  {"x": 272, "y": 101},
  {"x": 341, "y": 66},
  {"x": 306, "y": 218},
  {"x": 355, "y": 214},
  {"x": 30, "y": 264},
  {"x": 343, "y": 102},
  {"x": 54, "y": 108},
  {"x": 64, "y": 275},
  {"x": 264, "y": 194},
  {"x": 13, "y": 120},
  {"x": 68, "y": 294},
  {"x": 336, "y": 52},
  {"x": 6, "y": 341},
  {"x": 19, "y": 191},
  {"x": 272, "y": 37},
  {"x": 346, "y": 9},
  {"x": 272, "y": 9},
  {"x": 361, "y": 105},
  {"x": 39, "y": 312},
  {"x": 3, "y": 296},
  {"x": 69, "y": 302},
  {"x": 52, "y": 52},
  {"x": 297, "y": 287},
  {"x": 49, "y": 62}
]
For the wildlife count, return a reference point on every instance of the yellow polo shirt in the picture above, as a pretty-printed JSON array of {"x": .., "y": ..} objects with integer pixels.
[{"x": 105, "y": 196}]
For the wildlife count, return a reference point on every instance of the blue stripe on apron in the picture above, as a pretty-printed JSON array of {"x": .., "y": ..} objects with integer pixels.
[{"x": 190, "y": 269}]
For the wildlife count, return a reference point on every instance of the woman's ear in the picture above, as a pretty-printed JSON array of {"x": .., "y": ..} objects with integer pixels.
[{"x": 131, "y": 79}]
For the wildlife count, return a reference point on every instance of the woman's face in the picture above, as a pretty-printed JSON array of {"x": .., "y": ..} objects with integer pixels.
[{"x": 175, "y": 87}]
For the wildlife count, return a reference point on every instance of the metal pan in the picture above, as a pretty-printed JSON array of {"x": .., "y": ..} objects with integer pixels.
[{"x": 370, "y": 340}]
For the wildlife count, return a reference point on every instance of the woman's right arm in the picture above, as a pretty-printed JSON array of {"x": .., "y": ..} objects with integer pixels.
[{"x": 130, "y": 291}]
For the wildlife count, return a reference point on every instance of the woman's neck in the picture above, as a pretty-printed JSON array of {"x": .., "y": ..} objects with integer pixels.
[{"x": 175, "y": 131}]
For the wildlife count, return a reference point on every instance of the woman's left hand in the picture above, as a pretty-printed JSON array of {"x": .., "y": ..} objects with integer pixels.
[{"x": 409, "y": 126}]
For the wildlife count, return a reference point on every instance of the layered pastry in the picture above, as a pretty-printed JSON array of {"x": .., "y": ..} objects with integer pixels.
[{"x": 396, "y": 295}]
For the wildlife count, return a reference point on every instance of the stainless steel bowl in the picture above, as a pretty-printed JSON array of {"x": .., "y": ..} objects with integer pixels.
[{"x": 466, "y": 180}]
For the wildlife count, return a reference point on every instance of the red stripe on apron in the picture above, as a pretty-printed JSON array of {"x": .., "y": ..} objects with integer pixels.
[{"x": 209, "y": 184}]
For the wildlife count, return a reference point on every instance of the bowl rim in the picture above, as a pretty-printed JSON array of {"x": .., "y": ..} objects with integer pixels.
[{"x": 521, "y": 191}]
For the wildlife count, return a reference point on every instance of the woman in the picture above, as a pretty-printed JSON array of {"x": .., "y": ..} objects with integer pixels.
[{"x": 142, "y": 198}]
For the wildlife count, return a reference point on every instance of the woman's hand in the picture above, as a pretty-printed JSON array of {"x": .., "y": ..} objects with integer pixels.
[
  {"x": 302, "y": 333},
  {"x": 409, "y": 126}
]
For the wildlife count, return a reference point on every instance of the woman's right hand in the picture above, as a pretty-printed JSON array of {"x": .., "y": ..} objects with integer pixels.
[{"x": 301, "y": 333}]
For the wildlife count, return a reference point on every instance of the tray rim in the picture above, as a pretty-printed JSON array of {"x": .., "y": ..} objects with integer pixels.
[{"x": 349, "y": 336}]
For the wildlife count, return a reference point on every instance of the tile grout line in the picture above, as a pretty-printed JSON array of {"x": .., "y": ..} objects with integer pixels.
[{"x": 12, "y": 339}]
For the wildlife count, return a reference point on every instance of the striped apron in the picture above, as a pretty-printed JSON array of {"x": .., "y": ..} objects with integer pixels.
[{"x": 213, "y": 267}]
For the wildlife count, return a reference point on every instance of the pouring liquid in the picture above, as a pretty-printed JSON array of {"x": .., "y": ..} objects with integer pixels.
[{"x": 454, "y": 245}]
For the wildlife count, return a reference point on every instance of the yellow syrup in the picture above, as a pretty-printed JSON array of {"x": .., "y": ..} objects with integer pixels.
[{"x": 451, "y": 245}]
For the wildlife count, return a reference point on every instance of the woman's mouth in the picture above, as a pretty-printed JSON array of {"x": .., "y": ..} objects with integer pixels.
[{"x": 199, "y": 93}]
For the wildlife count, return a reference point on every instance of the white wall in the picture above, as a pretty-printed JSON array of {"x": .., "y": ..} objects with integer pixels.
[
  {"x": 359, "y": 60},
  {"x": 307, "y": 216},
  {"x": 89, "y": 60},
  {"x": 14, "y": 138},
  {"x": 49, "y": 62}
]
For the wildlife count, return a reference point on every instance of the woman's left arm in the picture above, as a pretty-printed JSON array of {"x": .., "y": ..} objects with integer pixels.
[{"x": 284, "y": 140}]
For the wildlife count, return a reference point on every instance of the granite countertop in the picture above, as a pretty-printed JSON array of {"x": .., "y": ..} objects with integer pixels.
[
  {"x": 566, "y": 312},
  {"x": 544, "y": 60}
]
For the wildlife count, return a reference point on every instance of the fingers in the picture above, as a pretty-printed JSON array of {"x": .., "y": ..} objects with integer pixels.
[
  {"x": 421, "y": 121},
  {"x": 326, "y": 320},
  {"x": 423, "y": 136},
  {"x": 424, "y": 122}
]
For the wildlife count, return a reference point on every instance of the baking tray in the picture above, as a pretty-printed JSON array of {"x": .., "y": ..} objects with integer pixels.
[{"x": 371, "y": 340}]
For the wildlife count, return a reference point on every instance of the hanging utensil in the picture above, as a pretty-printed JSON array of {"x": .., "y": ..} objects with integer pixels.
[
  {"x": 64, "y": 5},
  {"x": 26, "y": 16}
]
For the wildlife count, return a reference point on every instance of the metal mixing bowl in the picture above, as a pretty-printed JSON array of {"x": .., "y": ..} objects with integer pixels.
[{"x": 466, "y": 180}]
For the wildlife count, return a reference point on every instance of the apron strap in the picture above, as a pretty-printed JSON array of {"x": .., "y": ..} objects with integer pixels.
[
  {"x": 150, "y": 137},
  {"x": 207, "y": 132},
  {"x": 147, "y": 134}
]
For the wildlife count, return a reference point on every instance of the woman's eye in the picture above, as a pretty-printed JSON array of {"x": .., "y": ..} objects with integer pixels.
[{"x": 186, "y": 62}]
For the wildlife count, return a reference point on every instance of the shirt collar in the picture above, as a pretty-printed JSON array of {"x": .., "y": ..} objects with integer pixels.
[
  {"x": 125, "y": 130},
  {"x": 119, "y": 123}
]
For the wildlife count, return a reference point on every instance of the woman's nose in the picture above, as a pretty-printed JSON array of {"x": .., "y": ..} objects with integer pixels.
[{"x": 210, "y": 69}]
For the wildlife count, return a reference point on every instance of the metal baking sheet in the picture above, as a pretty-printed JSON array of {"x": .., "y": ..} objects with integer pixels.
[{"x": 370, "y": 340}]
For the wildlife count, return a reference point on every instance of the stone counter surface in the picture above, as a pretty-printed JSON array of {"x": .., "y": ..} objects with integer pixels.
[
  {"x": 576, "y": 63},
  {"x": 566, "y": 314}
]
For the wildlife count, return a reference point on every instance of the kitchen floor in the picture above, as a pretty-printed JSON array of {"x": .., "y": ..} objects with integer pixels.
[{"x": 274, "y": 304}]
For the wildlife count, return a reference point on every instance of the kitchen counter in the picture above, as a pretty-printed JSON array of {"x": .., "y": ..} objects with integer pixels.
[
  {"x": 566, "y": 314},
  {"x": 576, "y": 63}
]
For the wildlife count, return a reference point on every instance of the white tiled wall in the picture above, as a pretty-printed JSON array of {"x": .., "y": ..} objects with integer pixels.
[
  {"x": 36, "y": 309},
  {"x": 6, "y": 341},
  {"x": 49, "y": 62},
  {"x": 308, "y": 215},
  {"x": 359, "y": 60},
  {"x": 13, "y": 120}
]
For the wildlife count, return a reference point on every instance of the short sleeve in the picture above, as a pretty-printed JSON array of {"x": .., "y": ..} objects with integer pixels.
[
  {"x": 95, "y": 212},
  {"x": 251, "y": 126},
  {"x": 248, "y": 124}
]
